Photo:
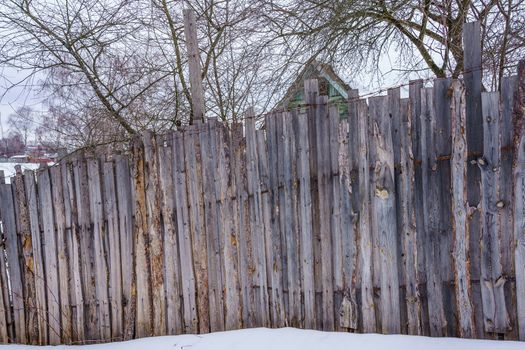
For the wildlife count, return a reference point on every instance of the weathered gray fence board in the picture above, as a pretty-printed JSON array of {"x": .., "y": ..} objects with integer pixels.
[
  {"x": 100, "y": 247},
  {"x": 473, "y": 86},
  {"x": 189, "y": 305},
  {"x": 113, "y": 248},
  {"x": 256, "y": 217},
  {"x": 506, "y": 192},
  {"x": 384, "y": 218},
  {"x": 460, "y": 212},
  {"x": 73, "y": 252},
  {"x": 431, "y": 188},
  {"x": 91, "y": 328},
  {"x": 50, "y": 257},
  {"x": 305, "y": 212},
  {"x": 518, "y": 167},
  {"x": 171, "y": 246},
  {"x": 276, "y": 285},
  {"x": 4, "y": 305},
  {"x": 143, "y": 322},
  {"x": 125, "y": 219},
  {"x": 496, "y": 318},
  {"x": 62, "y": 255},
  {"x": 365, "y": 230}
]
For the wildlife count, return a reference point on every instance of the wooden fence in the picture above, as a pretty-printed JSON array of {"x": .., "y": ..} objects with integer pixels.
[{"x": 406, "y": 218}]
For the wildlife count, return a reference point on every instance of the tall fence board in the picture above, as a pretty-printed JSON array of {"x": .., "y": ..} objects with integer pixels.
[{"x": 362, "y": 225}]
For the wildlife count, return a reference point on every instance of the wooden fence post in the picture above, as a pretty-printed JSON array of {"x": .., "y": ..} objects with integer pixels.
[{"x": 197, "y": 92}]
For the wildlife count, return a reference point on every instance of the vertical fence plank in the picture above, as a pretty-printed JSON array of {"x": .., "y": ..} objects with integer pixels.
[
  {"x": 431, "y": 214},
  {"x": 50, "y": 256},
  {"x": 246, "y": 226},
  {"x": 143, "y": 321},
  {"x": 496, "y": 318},
  {"x": 195, "y": 197},
  {"x": 224, "y": 193},
  {"x": 183, "y": 230},
  {"x": 460, "y": 209},
  {"x": 305, "y": 210},
  {"x": 256, "y": 216},
  {"x": 114, "y": 256},
  {"x": 365, "y": 230},
  {"x": 277, "y": 296},
  {"x": 171, "y": 246},
  {"x": 383, "y": 189},
  {"x": 86, "y": 250},
  {"x": 349, "y": 183},
  {"x": 37, "y": 254},
  {"x": 73, "y": 252},
  {"x": 407, "y": 224},
  {"x": 100, "y": 248},
  {"x": 26, "y": 250},
  {"x": 323, "y": 180},
  {"x": 125, "y": 219},
  {"x": 14, "y": 266},
  {"x": 6, "y": 333},
  {"x": 290, "y": 225},
  {"x": 473, "y": 86},
  {"x": 518, "y": 167},
  {"x": 506, "y": 191},
  {"x": 62, "y": 255},
  {"x": 208, "y": 158},
  {"x": 155, "y": 235},
  {"x": 311, "y": 91},
  {"x": 415, "y": 119},
  {"x": 266, "y": 219}
]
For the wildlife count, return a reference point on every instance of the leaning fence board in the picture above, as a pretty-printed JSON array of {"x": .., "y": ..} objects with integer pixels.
[{"x": 26, "y": 250}]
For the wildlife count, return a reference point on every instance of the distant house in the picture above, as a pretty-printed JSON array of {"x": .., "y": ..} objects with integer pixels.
[{"x": 330, "y": 84}]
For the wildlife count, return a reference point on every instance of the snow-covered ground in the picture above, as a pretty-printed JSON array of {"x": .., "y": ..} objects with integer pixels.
[
  {"x": 292, "y": 339},
  {"x": 9, "y": 169}
]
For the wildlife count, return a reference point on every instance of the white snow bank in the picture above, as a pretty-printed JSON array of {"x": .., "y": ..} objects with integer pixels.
[{"x": 291, "y": 339}]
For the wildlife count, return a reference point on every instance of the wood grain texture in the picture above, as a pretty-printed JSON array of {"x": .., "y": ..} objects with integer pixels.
[{"x": 462, "y": 277}]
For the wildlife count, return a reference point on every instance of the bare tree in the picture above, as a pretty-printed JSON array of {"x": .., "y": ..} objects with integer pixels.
[
  {"x": 417, "y": 34},
  {"x": 22, "y": 122}
]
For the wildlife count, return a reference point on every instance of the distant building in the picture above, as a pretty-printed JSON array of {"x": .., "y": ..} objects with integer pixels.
[{"x": 330, "y": 84}]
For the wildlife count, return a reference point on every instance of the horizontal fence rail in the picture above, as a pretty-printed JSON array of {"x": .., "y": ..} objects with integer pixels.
[{"x": 395, "y": 220}]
